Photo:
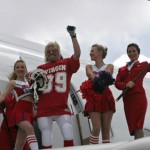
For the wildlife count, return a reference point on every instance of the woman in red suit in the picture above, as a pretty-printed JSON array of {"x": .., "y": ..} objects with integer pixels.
[{"x": 135, "y": 101}]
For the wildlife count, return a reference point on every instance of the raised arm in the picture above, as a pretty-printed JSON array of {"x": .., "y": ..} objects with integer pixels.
[{"x": 76, "y": 47}]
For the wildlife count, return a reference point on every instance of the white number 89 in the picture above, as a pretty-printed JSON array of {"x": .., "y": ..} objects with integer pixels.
[{"x": 60, "y": 82}]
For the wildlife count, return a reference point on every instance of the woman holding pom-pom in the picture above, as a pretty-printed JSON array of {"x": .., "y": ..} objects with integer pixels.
[{"x": 100, "y": 104}]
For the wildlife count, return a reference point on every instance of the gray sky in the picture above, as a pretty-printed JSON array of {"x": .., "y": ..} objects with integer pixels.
[{"x": 113, "y": 23}]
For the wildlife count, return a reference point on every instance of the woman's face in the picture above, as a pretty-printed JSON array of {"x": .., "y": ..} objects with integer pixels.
[
  {"x": 95, "y": 54},
  {"x": 20, "y": 69},
  {"x": 133, "y": 53}
]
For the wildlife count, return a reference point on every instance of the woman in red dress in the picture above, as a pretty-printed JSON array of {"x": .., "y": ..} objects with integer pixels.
[
  {"x": 22, "y": 113},
  {"x": 135, "y": 101},
  {"x": 100, "y": 104}
]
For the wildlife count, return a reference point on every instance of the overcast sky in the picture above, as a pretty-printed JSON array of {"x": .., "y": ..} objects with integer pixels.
[{"x": 113, "y": 23}]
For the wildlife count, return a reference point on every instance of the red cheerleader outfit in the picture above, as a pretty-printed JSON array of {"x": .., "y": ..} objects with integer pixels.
[
  {"x": 23, "y": 110},
  {"x": 97, "y": 102}
]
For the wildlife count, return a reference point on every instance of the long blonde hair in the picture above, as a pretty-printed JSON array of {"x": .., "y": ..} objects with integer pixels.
[
  {"x": 13, "y": 76},
  {"x": 55, "y": 45}
]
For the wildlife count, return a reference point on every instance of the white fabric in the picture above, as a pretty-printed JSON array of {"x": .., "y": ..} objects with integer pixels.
[
  {"x": 103, "y": 68},
  {"x": 21, "y": 89},
  {"x": 46, "y": 123},
  {"x": 32, "y": 141},
  {"x": 38, "y": 76},
  {"x": 38, "y": 82},
  {"x": 129, "y": 67}
]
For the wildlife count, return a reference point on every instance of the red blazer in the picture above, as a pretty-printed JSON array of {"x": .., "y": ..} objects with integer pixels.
[{"x": 124, "y": 76}]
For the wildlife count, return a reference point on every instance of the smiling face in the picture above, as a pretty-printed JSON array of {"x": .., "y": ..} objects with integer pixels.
[
  {"x": 20, "y": 69},
  {"x": 133, "y": 53}
]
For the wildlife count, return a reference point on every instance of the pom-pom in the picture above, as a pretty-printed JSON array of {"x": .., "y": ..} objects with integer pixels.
[
  {"x": 86, "y": 89},
  {"x": 98, "y": 85},
  {"x": 106, "y": 77}
]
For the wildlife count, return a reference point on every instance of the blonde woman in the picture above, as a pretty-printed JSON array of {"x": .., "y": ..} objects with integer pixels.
[
  {"x": 100, "y": 104},
  {"x": 22, "y": 113}
]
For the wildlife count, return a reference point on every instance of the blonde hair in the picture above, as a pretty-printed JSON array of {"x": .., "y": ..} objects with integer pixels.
[
  {"x": 55, "y": 45},
  {"x": 13, "y": 75},
  {"x": 101, "y": 48}
]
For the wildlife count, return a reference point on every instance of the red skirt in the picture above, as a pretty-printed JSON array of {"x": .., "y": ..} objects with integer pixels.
[
  {"x": 23, "y": 110},
  {"x": 135, "y": 107},
  {"x": 96, "y": 102}
]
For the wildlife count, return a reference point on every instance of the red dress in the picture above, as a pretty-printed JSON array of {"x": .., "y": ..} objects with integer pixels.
[
  {"x": 135, "y": 101},
  {"x": 4, "y": 137},
  {"x": 97, "y": 102},
  {"x": 23, "y": 110}
]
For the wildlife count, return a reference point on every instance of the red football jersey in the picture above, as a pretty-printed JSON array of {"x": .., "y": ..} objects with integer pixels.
[{"x": 53, "y": 101}]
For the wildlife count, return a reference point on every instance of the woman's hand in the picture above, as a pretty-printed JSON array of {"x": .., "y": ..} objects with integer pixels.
[{"x": 130, "y": 84}]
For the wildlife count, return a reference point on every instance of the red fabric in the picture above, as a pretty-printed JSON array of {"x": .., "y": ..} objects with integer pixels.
[
  {"x": 4, "y": 137},
  {"x": 124, "y": 76},
  {"x": 9, "y": 104},
  {"x": 96, "y": 102},
  {"x": 135, "y": 102},
  {"x": 68, "y": 143},
  {"x": 88, "y": 93},
  {"x": 108, "y": 101},
  {"x": 54, "y": 100},
  {"x": 23, "y": 110},
  {"x": 135, "y": 107},
  {"x": 21, "y": 89}
]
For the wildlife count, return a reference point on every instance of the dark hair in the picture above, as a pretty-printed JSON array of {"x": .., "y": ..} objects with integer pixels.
[{"x": 134, "y": 45}]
